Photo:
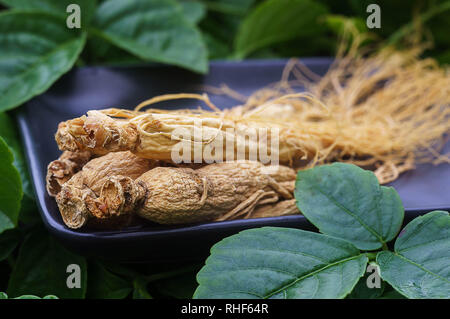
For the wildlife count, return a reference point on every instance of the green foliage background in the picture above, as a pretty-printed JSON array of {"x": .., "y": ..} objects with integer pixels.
[{"x": 36, "y": 48}]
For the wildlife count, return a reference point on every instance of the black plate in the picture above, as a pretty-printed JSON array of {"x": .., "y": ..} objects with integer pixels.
[{"x": 83, "y": 89}]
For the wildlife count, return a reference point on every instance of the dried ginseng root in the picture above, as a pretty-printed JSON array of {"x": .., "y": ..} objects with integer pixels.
[
  {"x": 62, "y": 169},
  {"x": 179, "y": 195},
  {"x": 85, "y": 197},
  {"x": 282, "y": 208},
  {"x": 157, "y": 135},
  {"x": 387, "y": 111},
  {"x": 219, "y": 191}
]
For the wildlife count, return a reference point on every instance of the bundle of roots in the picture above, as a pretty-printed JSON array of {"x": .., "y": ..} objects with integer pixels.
[
  {"x": 112, "y": 190},
  {"x": 386, "y": 112}
]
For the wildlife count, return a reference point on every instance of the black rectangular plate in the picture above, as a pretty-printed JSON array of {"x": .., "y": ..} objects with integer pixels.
[{"x": 422, "y": 190}]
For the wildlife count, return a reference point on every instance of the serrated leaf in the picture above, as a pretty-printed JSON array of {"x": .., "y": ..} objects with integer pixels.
[
  {"x": 346, "y": 201},
  {"x": 41, "y": 269},
  {"x": 275, "y": 21},
  {"x": 272, "y": 262},
  {"x": 154, "y": 30},
  {"x": 36, "y": 49},
  {"x": 420, "y": 265},
  {"x": 10, "y": 189}
]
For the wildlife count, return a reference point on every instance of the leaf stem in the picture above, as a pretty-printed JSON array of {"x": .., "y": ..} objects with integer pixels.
[
  {"x": 372, "y": 256},
  {"x": 400, "y": 33}
]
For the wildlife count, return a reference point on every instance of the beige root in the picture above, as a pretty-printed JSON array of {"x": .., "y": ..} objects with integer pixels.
[
  {"x": 388, "y": 112},
  {"x": 111, "y": 189},
  {"x": 219, "y": 191},
  {"x": 62, "y": 169},
  {"x": 86, "y": 197},
  {"x": 154, "y": 135},
  {"x": 282, "y": 208}
]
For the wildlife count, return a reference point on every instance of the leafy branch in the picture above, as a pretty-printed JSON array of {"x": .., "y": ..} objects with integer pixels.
[{"x": 354, "y": 213}]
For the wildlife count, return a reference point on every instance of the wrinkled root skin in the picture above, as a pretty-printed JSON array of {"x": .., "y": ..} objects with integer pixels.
[
  {"x": 72, "y": 206},
  {"x": 62, "y": 169},
  {"x": 282, "y": 208},
  {"x": 219, "y": 191},
  {"x": 115, "y": 190},
  {"x": 103, "y": 193},
  {"x": 96, "y": 133}
]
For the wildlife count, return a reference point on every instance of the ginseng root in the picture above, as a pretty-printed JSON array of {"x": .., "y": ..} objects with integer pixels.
[
  {"x": 157, "y": 135},
  {"x": 388, "y": 112},
  {"x": 62, "y": 169},
  {"x": 282, "y": 208},
  {"x": 219, "y": 191},
  {"x": 111, "y": 189},
  {"x": 85, "y": 197}
]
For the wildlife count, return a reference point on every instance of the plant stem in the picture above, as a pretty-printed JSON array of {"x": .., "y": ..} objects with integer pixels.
[
  {"x": 372, "y": 256},
  {"x": 400, "y": 33}
]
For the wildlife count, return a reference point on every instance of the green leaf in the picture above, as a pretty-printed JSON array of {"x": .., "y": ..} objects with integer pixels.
[
  {"x": 216, "y": 48},
  {"x": 102, "y": 284},
  {"x": 41, "y": 268},
  {"x": 5, "y": 296},
  {"x": 420, "y": 265},
  {"x": 180, "y": 283},
  {"x": 59, "y": 7},
  {"x": 346, "y": 201},
  {"x": 180, "y": 287},
  {"x": 338, "y": 23},
  {"x": 10, "y": 189},
  {"x": 9, "y": 239},
  {"x": 36, "y": 297},
  {"x": 232, "y": 7},
  {"x": 8, "y": 131},
  {"x": 424, "y": 17},
  {"x": 273, "y": 262},
  {"x": 193, "y": 11},
  {"x": 391, "y": 294},
  {"x": 140, "y": 288},
  {"x": 362, "y": 290},
  {"x": 37, "y": 48},
  {"x": 154, "y": 30},
  {"x": 275, "y": 21}
]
